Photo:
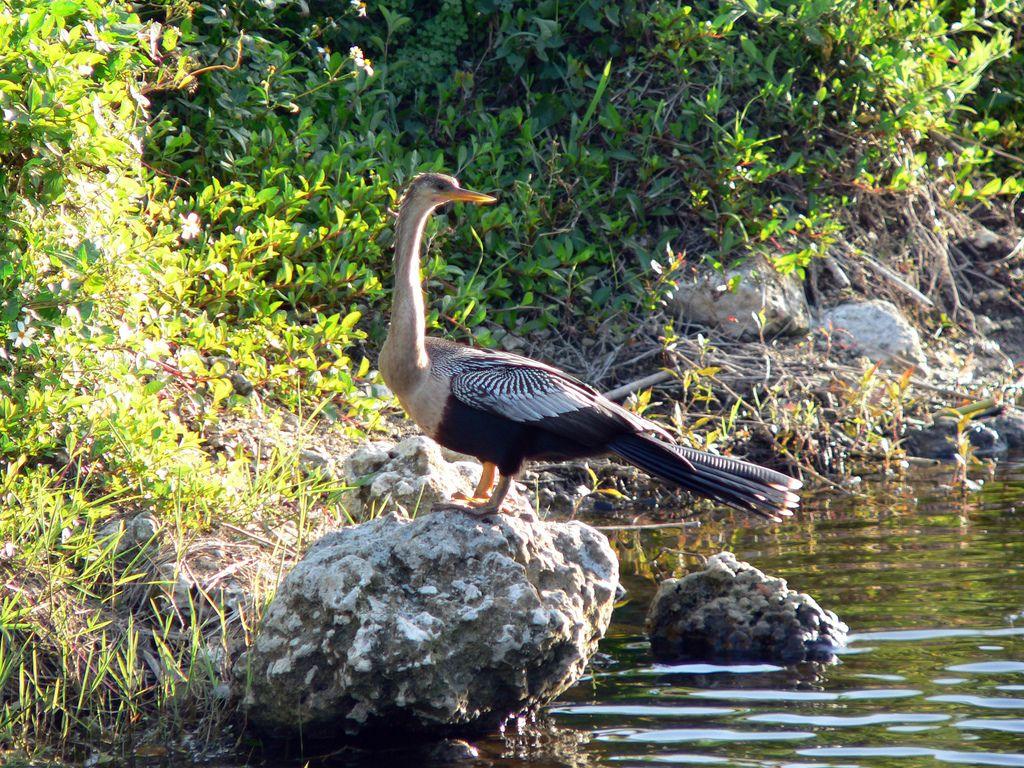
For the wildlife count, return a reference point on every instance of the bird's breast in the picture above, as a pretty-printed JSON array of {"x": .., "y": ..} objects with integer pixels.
[{"x": 425, "y": 403}]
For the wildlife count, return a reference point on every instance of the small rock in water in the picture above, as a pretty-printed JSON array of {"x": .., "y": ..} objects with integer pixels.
[
  {"x": 938, "y": 441},
  {"x": 985, "y": 324},
  {"x": 441, "y": 623},
  {"x": 451, "y": 751},
  {"x": 1010, "y": 426},
  {"x": 731, "y": 610}
]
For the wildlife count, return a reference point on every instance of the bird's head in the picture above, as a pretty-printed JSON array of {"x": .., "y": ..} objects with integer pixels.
[{"x": 430, "y": 190}]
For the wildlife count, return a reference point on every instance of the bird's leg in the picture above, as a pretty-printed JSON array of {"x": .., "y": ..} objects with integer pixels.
[
  {"x": 483, "y": 488},
  {"x": 493, "y": 504},
  {"x": 481, "y": 508}
]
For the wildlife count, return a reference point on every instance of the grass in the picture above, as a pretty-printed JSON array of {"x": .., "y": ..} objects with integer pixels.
[
  {"x": 103, "y": 630},
  {"x": 195, "y": 270}
]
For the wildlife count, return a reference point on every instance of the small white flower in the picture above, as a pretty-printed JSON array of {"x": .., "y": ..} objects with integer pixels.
[
  {"x": 359, "y": 7},
  {"x": 97, "y": 112},
  {"x": 23, "y": 336},
  {"x": 190, "y": 226},
  {"x": 360, "y": 60},
  {"x": 154, "y": 40},
  {"x": 84, "y": 70},
  {"x": 101, "y": 45},
  {"x": 139, "y": 97}
]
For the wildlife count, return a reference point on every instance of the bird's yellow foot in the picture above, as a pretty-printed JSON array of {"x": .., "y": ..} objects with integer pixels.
[{"x": 474, "y": 501}]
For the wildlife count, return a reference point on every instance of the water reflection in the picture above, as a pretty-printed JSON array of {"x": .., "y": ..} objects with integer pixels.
[
  {"x": 1013, "y": 726},
  {"x": 942, "y": 755}
]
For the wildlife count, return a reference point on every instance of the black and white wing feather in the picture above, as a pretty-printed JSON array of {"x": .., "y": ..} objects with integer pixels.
[{"x": 528, "y": 391}]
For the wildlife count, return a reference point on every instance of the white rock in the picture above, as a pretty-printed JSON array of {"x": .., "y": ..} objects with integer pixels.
[
  {"x": 874, "y": 329},
  {"x": 760, "y": 288},
  {"x": 460, "y": 622}
]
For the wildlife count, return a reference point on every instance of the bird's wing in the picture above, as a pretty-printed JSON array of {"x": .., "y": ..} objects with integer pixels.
[{"x": 528, "y": 391}]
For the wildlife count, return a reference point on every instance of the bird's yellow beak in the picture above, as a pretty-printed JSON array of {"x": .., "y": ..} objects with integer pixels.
[{"x": 469, "y": 196}]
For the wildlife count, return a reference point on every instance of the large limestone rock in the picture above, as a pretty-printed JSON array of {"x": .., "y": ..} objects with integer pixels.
[
  {"x": 757, "y": 287},
  {"x": 731, "y": 610},
  {"x": 874, "y": 329},
  {"x": 441, "y": 622},
  {"x": 411, "y": 476}
]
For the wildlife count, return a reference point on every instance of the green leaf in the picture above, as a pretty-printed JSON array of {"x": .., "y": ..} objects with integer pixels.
[
  {"x": 62, "y": 8},
  {"x": 351, "y": 319},
  {"x": 991, "y": 188},
  {"x": 266, "y": 195},
  {"x": 170, "y": 39},
  {"x": 221, "y": 389},
  {"x": 749, "y": 48}
]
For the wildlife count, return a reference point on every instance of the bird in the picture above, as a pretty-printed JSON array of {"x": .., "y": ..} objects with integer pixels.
[{"x": 506, "y": 409}]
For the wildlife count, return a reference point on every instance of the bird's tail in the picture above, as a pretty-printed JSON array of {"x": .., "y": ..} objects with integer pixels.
[{"x": 739, "y": 484}]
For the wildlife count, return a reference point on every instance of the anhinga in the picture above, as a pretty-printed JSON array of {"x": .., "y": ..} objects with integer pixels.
[{"x": 504, "y": 409}]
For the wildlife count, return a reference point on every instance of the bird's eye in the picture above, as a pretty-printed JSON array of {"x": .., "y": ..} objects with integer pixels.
[{"x": 439, "y": 186}]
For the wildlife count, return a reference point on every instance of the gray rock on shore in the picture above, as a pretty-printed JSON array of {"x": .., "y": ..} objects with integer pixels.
[
  {"x": 874, "y": 329},
  {"x": 731, "y": 610},
  {"x": 427, "y": 625},
  {"x": 757, "y": 288},
  {"x": 412, "y": 476}
]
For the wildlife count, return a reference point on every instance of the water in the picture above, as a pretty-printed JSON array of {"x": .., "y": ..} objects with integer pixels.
[{"x": 932, "y": 586}]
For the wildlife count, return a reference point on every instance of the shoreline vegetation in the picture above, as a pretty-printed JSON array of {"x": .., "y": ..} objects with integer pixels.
[{"x": 195, "y": 262}]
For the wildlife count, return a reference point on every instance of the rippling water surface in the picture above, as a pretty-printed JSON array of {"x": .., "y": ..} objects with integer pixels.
[{"x": 932, "y": 586}]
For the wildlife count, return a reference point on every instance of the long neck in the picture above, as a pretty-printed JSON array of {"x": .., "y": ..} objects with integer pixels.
[{"x": 405, "y": 340}]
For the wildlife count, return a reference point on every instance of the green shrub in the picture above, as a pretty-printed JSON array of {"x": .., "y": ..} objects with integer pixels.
[{"x": 611, "y": 133}]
